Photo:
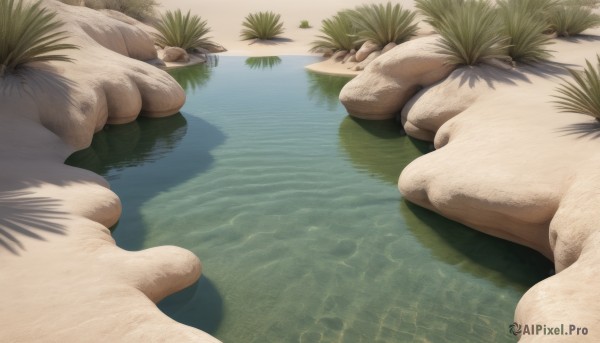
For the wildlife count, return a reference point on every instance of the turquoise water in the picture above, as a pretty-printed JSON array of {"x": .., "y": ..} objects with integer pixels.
[{"x": 293, "y": 209}]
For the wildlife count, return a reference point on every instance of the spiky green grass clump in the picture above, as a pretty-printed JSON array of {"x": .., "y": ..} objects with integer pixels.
[
  {"x": 262, "y": 25},
  {"x": 185, "y": 31},
  {"x": 28, "y": 34},
  {"x": 471, "y": 34},
  {"x": 338, "y": 33},
  {"x": 435, "y": 11},
  {"x": 383, "y": 24},
  {"x": 304, "y": 24},
  {"x": 568, "y": 20},
  {"x": 582, "y": 95},
  {"x": 523, "y": 22}
]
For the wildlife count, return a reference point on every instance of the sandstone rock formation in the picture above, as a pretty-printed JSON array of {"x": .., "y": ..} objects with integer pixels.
[
  {"x": 175, "y": 54},
  {"x": 507, "y": 163},
  {"x": 63, "y": 279},
  {"x": 388, "y": 82}
]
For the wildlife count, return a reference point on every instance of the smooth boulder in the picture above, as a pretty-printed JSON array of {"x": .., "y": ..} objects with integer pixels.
[
  {"x": 175, "y": 54},
  {"x": 388, "y": 82}
]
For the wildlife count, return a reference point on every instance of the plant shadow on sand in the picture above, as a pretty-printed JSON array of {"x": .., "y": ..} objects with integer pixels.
[
  {"x": 24, "y": 215},
  {"x": 583, "y": 130}
]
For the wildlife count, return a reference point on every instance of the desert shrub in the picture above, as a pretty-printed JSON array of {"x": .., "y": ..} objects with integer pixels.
[
  {"x": 435, "y": 11},
  {"x": 28, "y": 33},
  {"x": 338, "y": 33},
  {"x": 138, "y": 9},
  {"x": 262, "y": 25},
  {"x": 582, "y": 95},
  {"x": 304, "y": 24},
  {"x": 523, "y": 22},
  {"x": 471, "y": 34},
  {"x": 568, "y": 20},
  {"x": 383, "y": 24},
  {"x": 185, "y": 31}
]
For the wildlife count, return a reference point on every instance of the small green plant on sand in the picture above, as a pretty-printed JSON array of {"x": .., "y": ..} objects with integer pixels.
[
  {"x": 185, "y": 31},
  {"x": 471, "y": 34},
  {"x": 304, "y": 24},
  {"x": 383, "y": 24},
  {"x": 582, "y": 94},
  {"x": 28, "y": 33},
  {"x": 262, "y": 25},
  {"x": 337, "y": 33}
]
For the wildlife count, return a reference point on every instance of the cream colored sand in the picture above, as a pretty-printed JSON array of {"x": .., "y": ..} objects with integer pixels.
[{"x": 62, "y": 278}]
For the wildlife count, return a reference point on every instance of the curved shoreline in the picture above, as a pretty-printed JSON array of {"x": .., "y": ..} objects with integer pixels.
[
  {"x": 508, "y": 162},
  {"x": 62, "y": 276}
]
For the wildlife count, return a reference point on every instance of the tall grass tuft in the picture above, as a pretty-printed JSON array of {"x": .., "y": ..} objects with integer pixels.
[
  {"x": 568, "y": 20},
  {"x": 28, "y": 33},
  {"x": 524, "y": 23},
  {"x": 471, "y": 34},
  {"x": 383, "y": 24},
  {"x": 185, "y": 31},
  {"x": 338, "y": 33},
  {"x": 262, "y": 25},
  {"x": 435, "y": 11},
  {"x": 582, "y": 95}
]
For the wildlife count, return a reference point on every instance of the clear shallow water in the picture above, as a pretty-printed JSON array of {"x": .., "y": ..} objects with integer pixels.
[{"x": 293, "y": 209}]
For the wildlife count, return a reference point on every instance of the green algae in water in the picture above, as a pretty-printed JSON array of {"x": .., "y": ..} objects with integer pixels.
[{"x": 293, "y": 208}]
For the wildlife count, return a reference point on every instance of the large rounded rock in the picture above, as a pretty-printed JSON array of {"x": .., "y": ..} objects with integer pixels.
[
  {"x": 175, "y": 54},
  {"x": 388, "y": 82},
  {"x": 430, "y": 108},
  {"x": 365, "y": 50},
  {"x": 63, "y": 278},
  {"x": 106, "y": 83}
]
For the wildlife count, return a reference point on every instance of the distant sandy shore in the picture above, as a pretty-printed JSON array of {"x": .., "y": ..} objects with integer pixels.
[{"x": 225, "y": 18}]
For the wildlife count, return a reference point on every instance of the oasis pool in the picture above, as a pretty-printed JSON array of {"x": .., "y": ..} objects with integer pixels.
[{"x": 293, "y": 209}]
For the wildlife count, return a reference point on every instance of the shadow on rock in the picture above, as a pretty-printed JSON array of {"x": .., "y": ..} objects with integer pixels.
[{"x": 582, "y": 130}]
